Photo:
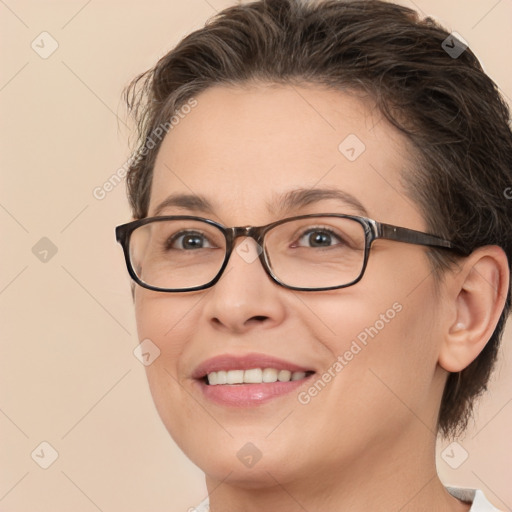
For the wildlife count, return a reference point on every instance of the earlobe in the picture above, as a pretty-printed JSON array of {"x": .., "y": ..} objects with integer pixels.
[{"x": 479, "y": 292}]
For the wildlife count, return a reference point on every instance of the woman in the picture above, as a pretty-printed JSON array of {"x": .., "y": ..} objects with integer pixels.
[{"x": 321, "y": 252}]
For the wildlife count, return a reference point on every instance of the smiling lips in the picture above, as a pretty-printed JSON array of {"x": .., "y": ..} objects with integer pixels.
[
  {"x": 248, "y": 380},
  {"x": 253, "y": 376}
]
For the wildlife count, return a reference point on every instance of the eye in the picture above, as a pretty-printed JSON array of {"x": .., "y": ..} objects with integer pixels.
[
  {"x": 188, "y": 240},
  {"x": 319, "y": 237}
]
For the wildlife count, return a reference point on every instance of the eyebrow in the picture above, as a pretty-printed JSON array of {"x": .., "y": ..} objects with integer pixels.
[
  {"x": 295, "y": 199},
  {"x": 192, "y": 202},
  {"x": 281, "y": 204}
]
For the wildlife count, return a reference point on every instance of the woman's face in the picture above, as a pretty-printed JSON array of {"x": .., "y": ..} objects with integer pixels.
[{"x": 374, "y": 344}]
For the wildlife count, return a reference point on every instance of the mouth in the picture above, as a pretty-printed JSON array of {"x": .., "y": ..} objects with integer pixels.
[
  {"x": 248, "y": 380},
  {"x": 253, "y": 376}
]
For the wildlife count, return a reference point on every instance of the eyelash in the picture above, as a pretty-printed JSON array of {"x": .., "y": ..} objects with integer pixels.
[
  {"x": 321, "y": 229},
  {"x": 312, "y": 229}
]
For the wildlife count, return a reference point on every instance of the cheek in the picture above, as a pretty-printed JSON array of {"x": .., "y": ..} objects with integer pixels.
[
  {"x": 381, "y": 384},
  {"x": 401, "y": 367},
  {"x": 400, "y": 292},
  {"x": 164, "y": 319},
  {"x": 168, "y": 322},
  {"x": 384, "y": 343}
]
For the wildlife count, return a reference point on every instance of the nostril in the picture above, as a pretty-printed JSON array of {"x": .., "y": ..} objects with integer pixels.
[{"x": 259, "y": 318}]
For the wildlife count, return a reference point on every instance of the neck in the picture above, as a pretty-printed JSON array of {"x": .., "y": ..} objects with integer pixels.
[{"x": 400, "y": 476}]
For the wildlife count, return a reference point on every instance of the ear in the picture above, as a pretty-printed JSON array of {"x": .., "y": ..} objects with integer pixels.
[{"x": 477, "y": 293}]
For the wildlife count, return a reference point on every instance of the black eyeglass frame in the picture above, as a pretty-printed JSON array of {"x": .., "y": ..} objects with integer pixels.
[{"x": 373, "y": 230}]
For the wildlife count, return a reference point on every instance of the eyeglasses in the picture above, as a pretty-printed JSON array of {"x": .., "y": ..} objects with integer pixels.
[{"x": 307, "y": 253}]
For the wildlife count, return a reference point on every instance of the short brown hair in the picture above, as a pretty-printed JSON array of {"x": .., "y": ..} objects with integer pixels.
[{"x": 450, "y": 110}]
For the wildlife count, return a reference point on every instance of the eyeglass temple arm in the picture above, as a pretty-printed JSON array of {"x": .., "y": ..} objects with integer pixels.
[{"x": 412, "y": 236}]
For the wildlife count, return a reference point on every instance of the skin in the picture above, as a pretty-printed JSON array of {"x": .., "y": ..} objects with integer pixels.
[{"x": 367, "y": 440}]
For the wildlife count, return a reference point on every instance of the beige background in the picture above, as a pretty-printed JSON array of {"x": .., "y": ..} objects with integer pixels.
[{"x": 68, "y": 373}]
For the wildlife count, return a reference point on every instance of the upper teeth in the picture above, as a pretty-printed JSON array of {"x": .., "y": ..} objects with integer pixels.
[{"x": 253, "y": 376}]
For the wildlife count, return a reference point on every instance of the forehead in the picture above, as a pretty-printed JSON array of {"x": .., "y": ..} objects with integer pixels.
[{"x": 244, "y": 148}]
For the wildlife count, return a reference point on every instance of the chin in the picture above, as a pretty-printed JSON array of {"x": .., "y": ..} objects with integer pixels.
[
  {"x": 261, "y": 475},
  {"x": 246, "y": 460}
]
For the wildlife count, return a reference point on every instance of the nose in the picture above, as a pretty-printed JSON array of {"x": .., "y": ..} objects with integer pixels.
[{"x": 245, "y": 297}]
